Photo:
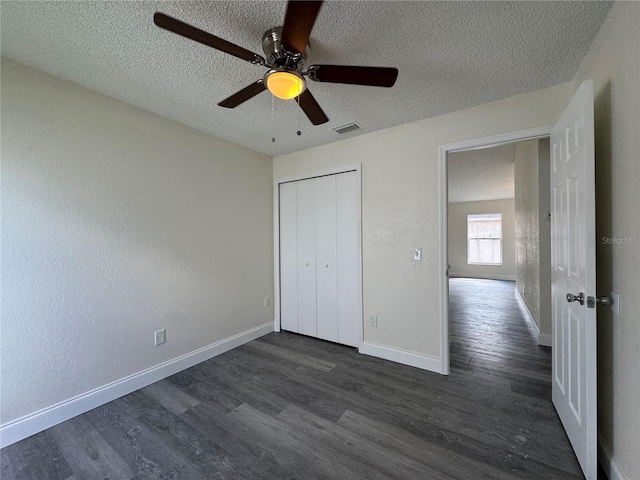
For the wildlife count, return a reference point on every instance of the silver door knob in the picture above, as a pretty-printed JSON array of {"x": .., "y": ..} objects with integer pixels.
[
  {"x": 306, "y": 264},
  {"x": 574, "y": 298},
  {"x": 326, "y": 265}
]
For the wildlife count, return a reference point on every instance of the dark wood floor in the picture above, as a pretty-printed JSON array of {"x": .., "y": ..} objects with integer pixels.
[{"x": 288, "y": 406}]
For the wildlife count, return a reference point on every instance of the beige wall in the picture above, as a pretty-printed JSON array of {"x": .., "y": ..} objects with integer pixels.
[
  {"x": 532, "y": 227},
  {"x": 614, "y": 64},
  {"x": 458, "y": 240},
  {"x": 115, "y": 223},
  {"x": 401, "y": 208},
  {"x": 544, "y": 237}
]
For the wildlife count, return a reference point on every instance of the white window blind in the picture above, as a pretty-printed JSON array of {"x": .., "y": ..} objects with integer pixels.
[{"x": 484, "y": 239}]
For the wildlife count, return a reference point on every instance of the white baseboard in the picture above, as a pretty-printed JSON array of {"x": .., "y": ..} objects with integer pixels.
[
  {"x": 407, "y": 358},
  {"x": 511, "y": 278},
  {"x": 542, "y": 339},
  {"x": 609, "y": 464},
  {"x": 48, "y": 417}
]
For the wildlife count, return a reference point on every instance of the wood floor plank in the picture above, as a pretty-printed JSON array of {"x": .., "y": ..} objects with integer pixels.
[
  {"x": 385, "y": 463},
  {"x": 301, "y": 359},
  {"x": 205, "y": 454},
  {"x": 170, "y": 396},
  {"x": 304, "y": 454},
  {"x": 205, "y": 392},
  {"x": 396, "y": 439},
  {"x": 87, "y": 452},
  {"x": 139, "y": 446},
  {"x": 251, "y": 459},
  {"x": 243, "y": 389},
  {"x": 37, "y": 457}
]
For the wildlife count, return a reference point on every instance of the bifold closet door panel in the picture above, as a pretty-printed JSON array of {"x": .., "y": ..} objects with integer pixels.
[
  {"x": 306, "y": 232},
  {"x": 288, "y": 257},
  {"x": 347, "y": 226},
  {"x": 327, "y": 278}
]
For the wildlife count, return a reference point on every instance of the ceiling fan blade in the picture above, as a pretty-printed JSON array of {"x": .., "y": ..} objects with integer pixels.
[
  {"x": 311, "y": 108},
  {"x": 243, "y": 95},
  {"x": 298, "y": 23},
  {"x": 176, "y": 26},
  {"x": 372, "y": 76}
]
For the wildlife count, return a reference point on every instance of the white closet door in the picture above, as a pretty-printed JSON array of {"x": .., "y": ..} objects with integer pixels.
[
  {"x": 347, "y": 225},
  {"x": 327, "y": 279},
  {"x": 288, "y": 257},
  {"x": 306, "y": 232},
  {"x": 319, "y": 267}
]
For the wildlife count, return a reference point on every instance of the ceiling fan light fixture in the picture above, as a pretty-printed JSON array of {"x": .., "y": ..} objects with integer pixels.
[{"x": 285, "y": 84}]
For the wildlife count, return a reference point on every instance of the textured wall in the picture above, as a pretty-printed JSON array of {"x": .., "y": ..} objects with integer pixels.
[
  {"x": 544, "y": 236},
  {"x": 533, "y": 230},
  {"x": 458, "y": 240},
  {"x": 614, "y": 65},
  {"x": 527, "y": 226},
  {"x": 401, "y": 211},
  {"x": 115, "y": 223}
]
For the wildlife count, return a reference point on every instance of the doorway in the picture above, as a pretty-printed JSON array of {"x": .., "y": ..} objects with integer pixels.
[
  {"x": 499, "y": 226},
  {"x": 466, "y": 146}
]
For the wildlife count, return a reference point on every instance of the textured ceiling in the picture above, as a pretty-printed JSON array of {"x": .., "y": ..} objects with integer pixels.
[
  {"x": 479, "y": 175},
  {"x": 451, "y": 55}
]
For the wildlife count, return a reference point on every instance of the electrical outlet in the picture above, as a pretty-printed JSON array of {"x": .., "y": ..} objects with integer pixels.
[
  {"x": 267, "y": 301},
  {"x": 159, "y": 337},
  {"x": 373, "y": 320}
]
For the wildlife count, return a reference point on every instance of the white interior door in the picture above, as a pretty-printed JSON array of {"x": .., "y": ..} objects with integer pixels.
[
  {"x": 288, "y": 203},
  {"x": 327, "y": 278},
  {"x": 347, "y": 228},
  {"x": 306, "y": 233},
  {"x": 573, "y": 273}
]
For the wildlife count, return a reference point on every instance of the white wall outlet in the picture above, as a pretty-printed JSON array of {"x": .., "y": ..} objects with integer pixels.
[
  {"x": 267, "y": 301},
  {"x": 417, "y": 254},
  {"x": 615, "y": 302},
  {"x": 159, "y": 337},
  {"x": 373, "y": 320}
]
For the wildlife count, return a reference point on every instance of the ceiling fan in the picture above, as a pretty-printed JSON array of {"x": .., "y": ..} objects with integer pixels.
[{"x": 286, "y": 49}]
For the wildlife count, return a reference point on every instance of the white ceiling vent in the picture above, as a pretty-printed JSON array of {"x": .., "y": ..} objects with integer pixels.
[{"x": 347, "y": 127}]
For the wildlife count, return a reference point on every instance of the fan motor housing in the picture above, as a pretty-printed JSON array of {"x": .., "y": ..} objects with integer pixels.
[{"x": 278, "y": 56}]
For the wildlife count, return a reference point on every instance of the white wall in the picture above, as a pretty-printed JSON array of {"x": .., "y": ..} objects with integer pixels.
[
  {"x": 544, "y": 237},
  {"x": 458, "y": 240},
  {"x": 115, "y": 223},
  {"x": 400, "y": 208},
  {"x": 614, "y": 64},
  {"x": 533, "y": 236}
]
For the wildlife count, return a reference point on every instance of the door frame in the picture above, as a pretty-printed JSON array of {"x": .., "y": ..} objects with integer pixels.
[
  {"x": 276, "y": 238},
  {"x": 443, "y": 150}
]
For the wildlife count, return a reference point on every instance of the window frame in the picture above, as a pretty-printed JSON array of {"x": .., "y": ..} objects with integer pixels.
[{"x": 500, "y": 238}]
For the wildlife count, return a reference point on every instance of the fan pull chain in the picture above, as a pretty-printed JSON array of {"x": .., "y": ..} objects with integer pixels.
[
  {"x": 273, "y": 118},
  {"x": 298, "y": 115}
]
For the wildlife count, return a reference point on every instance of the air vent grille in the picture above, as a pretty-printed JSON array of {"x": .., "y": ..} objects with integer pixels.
[{"x": 346, "y": 128}]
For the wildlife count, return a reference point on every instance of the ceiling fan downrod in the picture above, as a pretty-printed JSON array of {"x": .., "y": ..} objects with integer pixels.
[{"x": 277, "y": 56}]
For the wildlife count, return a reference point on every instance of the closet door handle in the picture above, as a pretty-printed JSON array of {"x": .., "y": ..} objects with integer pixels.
[
  {"x": 306, "y": 264},
  {"x": 326, "y": 265}
]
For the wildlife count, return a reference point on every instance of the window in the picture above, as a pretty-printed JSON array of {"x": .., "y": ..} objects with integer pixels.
[{"x": 484, "y": 239}]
